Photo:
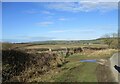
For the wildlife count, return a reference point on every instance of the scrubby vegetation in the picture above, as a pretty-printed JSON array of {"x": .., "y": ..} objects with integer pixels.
[
  {"x": 22, "y": 67},
  {"x": 7, "y": 45},
  {"x": 111, "y": 40},
  {"x": 58, "y": 62}
]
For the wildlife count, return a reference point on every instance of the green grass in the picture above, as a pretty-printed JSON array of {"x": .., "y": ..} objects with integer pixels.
[
  {"x": 78, "y": 57},
  {"x": 74, "y": 70},
  {"x": 78, "y": 72}
]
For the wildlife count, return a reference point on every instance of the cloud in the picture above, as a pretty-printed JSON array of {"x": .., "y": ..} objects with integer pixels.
[
  {"x": 41, "y": 37},
  {"x": 47, "y": 12},
  {"x": 58, "y": 31},
  {"x": 19, "y": 39},
  {"x": 62, "y": 19},
  {"x": 32, "y": 11},
  {"x": 60, "y": 0},
  {"x": 34, "y": 37},
  {"x": 73, "y": 31},
  {"x": 100, "y": 0},
  {"x": 82, "y": 6},
  {"x": 45, "y": 23}
]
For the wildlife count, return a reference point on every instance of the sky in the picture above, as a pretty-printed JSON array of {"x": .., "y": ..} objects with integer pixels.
[{"x": 41, "y": 21}]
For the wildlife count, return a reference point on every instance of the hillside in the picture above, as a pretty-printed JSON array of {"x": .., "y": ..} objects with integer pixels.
[{"x": 94, "y": 41}]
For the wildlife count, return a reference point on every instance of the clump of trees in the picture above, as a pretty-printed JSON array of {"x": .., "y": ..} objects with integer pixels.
[{"x": 111, "y": 40}]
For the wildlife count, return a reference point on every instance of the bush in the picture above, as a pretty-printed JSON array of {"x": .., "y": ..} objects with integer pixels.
[
  {"x": 13, "y": 63},
  {"x": 19, "y": 66}
]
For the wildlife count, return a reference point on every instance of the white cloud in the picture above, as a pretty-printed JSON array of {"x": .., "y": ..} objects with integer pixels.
[
  {"x": 27, "y": 38},
  {"x": 67, "y": 39},
  {"x": 47, "y": 12},
  {"x": 57, "y": 31},
  {"x": 83, "y": 6},
  {"x": 62, "y": 19},
  {"x": 99, "y": 0},
  {"x": 32, "y": 11},
  {"x": 45, "y": 23},
  {"x": 60, "y": 0},
  {"x": 73, "y": 31}
]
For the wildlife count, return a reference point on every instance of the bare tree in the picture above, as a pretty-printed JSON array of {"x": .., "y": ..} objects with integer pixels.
[{"x": 110, "y": 39}]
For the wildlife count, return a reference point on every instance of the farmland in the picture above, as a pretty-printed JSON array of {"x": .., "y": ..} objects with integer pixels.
[
  {"x": 59, "y": 41},
  {"x": 59, "y": 62}
]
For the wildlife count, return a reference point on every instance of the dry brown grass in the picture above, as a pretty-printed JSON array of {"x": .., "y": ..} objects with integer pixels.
[
  {"x": 103, "y": 53},
  {"x": 19, "y": 66},
  {"x": 65, "y": 45}
]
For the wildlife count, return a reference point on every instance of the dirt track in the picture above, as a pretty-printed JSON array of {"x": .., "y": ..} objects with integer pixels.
[
  {"x": 113, "y": 62},
  {"x": 104, "y": 73}
]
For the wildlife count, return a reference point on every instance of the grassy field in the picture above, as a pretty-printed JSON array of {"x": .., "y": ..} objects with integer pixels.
[
  {"x": 74, "y": 70},
  {"x": 78, "y": 72},
  {"x": 100, "y": 54},
  {"x": 64, "y": 45}
]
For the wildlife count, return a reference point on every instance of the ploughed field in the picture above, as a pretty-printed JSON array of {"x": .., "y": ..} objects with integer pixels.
[{"x": 57, "y": 63}]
